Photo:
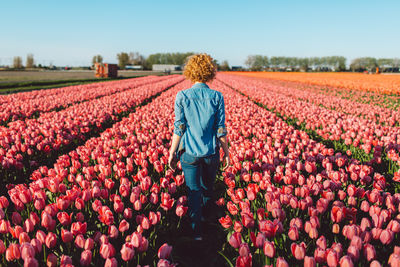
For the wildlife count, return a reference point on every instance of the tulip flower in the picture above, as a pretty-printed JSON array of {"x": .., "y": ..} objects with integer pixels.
[
  {"x": 298, "y": 251},
  {"x": 127, "y": 252},
  {"x": 164, "y": 251}
]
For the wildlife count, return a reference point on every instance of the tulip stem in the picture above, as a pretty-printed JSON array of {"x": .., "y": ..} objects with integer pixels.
[
  {"x": 44, "y": 254},
  {"x": 179, "y": 222}
]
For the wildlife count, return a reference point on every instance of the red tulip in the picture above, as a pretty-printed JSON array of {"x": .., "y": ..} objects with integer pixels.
[
  {"x": 13, "y": 252},
  {"x": 127, "y": 252},
  {"x": 244, "y": 261},
  {"x": 226, "y": 221}
]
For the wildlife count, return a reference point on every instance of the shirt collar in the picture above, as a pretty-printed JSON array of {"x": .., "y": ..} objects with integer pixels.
[{"x": 200, "y": 85}]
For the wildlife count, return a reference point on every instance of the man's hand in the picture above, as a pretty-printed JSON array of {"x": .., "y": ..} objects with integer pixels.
[{"x": 172, "y": 161}]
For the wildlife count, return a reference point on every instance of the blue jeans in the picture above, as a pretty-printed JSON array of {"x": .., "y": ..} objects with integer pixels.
[{"x": 200, "y": 173}]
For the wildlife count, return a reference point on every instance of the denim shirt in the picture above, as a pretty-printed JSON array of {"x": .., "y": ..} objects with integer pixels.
[{"x": 200, "y": 119}]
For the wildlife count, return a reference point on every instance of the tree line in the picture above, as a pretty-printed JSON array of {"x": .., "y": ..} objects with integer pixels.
[
  {"x": 253, "y": 62},
  {"x": 331, "y": 63},
  {"x": 259, "y": 62},
  {"x": 136, "y": 59}
]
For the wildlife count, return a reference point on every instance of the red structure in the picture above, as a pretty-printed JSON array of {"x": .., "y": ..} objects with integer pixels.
[{"x": 105, "y": 70}]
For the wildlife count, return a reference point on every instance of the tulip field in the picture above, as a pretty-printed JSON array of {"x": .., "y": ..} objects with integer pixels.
[{"x": 314, "y": 178}]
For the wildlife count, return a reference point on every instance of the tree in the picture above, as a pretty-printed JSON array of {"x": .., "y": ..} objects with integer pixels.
[
  {"x": 166, "y": 58},
  {"x": 363, "y": 64},
  {"x": 224, "y": 66},
  {"x": 30, "y": 61},
  {"x": 97, "y": 59},
  {"x": 123, "y": 60},
  {"x": 135, "y": 58},
  {"x": 256, "y": 62},
  {"x": 17, "y": 63}
]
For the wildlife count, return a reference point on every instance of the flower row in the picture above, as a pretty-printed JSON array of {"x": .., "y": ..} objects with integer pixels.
[
  {"x": 26, "y": 143},
  {"x": 330, "y": 124},
  {"x": 292, "y": 201},
  {"x": 108, "y": 198}
]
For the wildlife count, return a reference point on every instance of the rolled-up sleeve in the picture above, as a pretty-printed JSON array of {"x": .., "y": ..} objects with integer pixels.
[
  {"x": 180, "y": 120},
  {"x": 221, "y": 129}
]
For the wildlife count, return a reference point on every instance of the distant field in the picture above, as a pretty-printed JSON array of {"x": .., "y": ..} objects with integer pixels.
[
  {"x": 380, "y": 83},
  {"x": 27, "y": 76},
  {"x": 19, "y": 81}
]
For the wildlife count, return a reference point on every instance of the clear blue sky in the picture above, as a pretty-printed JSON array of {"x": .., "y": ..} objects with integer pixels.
[{"x": 71, "y": 32}]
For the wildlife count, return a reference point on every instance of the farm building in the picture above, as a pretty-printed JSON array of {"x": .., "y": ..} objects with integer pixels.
[
  {"x": 106, "y": 70},
  {"x": 166, "y": 67}
]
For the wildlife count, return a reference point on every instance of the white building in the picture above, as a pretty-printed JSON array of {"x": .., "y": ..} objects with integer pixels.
[{"x": 166, "y": 67}]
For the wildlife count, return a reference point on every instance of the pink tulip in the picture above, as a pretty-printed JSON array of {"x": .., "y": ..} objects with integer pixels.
[
  {"x": 107, "y": 250},
  {"x": 65, "y": 260},
  {"x": 86, "y": 258},
  {"x": 181, "y": 210},
  {"x": 123, "y": 226},
  {"x": 386, "y": 236},
  {"x": 66, "y": 236},
  {"x": 394, "y": 260},
  {"x": 80, "y": 241},
  {"x": 346, "y": 261},
  {"x": 164, "y": 251},
  {"x": 293, "y": 233},
  {"x": 2, "y": 247},
  {"x": 111, "y": 262},
  {"x": 31, "y": 262},
  {"x": 127, "y": 252},
  {"x": 298, "y": 251},
  {"x": 89, "y": 244},
  {"x": 269, "y": 249},
  {"x": 332, "y": 258},
  {"x": 27, "y": 251},
  {"x": 375, "y": 263},
  {"x": 309, "y": 262},
  {"x": 113, "y": 231},
  {"x": 51, "y": 240},
  {"x": 235, "y": 240},
  {"x": 260, "y": 239},
  {"x": 369, "y": 252},
  {"x": 281, "y": 262}
]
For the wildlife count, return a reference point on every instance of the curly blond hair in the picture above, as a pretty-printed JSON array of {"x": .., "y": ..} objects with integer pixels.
[{"x": 200, "y": 68}]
